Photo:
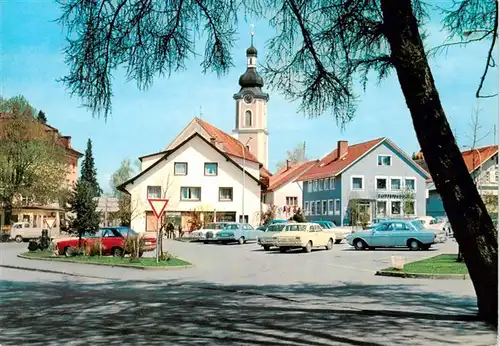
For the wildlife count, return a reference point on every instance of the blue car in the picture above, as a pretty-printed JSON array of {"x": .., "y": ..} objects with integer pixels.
[
  {"x": 395, "y": 233},
  {"x": 325, "y": 224},
  {"x": 235, "y": 232}
]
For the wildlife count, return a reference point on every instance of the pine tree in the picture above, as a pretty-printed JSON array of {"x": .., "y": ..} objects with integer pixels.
[
  {"x": 89, "y": 173},
  {"x": 41, "y": 117},
  {"x": 83, "y": 205}
]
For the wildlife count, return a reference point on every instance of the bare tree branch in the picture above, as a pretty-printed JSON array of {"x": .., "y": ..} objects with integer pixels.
[{"x": 466, "y": 17}]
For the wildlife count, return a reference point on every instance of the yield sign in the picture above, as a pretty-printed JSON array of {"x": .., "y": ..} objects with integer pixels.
[
  {"x": 158, "y": 205},
  {"x": 50, "y": 222}
]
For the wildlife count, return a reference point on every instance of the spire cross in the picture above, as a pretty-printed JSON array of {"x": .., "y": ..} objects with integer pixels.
[{"x": 251, "y": 33}]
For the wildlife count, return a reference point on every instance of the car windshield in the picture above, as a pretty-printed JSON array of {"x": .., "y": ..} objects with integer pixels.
[
  {"x": 215, "y": 226},
  {"x": 275, "y": 228},
  {"x": 232, "y": 226},
  {"x": 296, "y": 228},
  {"x": 126, "y": 231},
  {"x": 417, "y": 224}
]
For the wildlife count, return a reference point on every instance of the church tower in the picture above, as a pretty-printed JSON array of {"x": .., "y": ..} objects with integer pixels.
[{"x": 251, "y": 109}]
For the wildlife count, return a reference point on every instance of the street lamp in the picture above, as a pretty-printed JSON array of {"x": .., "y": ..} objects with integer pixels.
[{"x": 243, "y": 149}]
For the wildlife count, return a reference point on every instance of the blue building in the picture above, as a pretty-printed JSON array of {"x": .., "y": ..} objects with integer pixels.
[{"x": 377, "y": 174}]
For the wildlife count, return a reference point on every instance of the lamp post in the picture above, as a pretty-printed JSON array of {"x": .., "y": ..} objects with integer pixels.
[{"x": 243, "y": 149}]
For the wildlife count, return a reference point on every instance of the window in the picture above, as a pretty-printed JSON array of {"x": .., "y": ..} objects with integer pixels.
[
  {"x": 248, "y": 118},
  {"x": 381, "y": 183},
  {"x": 495, "y": 179},
  {"x": 381, "y": 208},
  {"x": 332, "y": 183},
  {"x": 211, "y": 168},
  {"x": 325, "y": 186},
  {"x": 330, "y": 207},
  {"x": 154, "y": 192},
  {"x": 409, "y": 208},
  {"x": 313, "y": 208},
  {"x": 384, "y": 160},
  {"x": 291, "y": 201},
  {"x": 324, "y": 208},
  {"x": 410, "y": 184},
  {"x": 315, "y": 185},
  {"x": 395, "y": 184},
  {"x": 337, "y": 207},
  {"x": 357, "y": 183},
  {"x": 190, "y": 193},
  {"x": 309, "y": 186},
  {"x": 225, "y": 194},
  {"x": 320, "y": 185},
  {"x": 180, "y": 168},
  {"x": 395, "y": 207},
  {"x": 318, "y": 208},
  {"x": 306, "y": 208}
]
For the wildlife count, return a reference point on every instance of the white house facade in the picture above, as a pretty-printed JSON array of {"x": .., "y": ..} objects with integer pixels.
[{"x": 194, "y": 176}]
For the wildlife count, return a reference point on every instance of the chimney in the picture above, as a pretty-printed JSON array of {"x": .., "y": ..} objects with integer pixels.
[
  {"x": 213, "y": 141},
  {"x": 287, "y": 165},
  {"x": 341, "y": 149}
]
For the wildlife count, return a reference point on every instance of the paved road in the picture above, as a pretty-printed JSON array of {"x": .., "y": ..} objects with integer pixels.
[{"x": 238, "y": 295}]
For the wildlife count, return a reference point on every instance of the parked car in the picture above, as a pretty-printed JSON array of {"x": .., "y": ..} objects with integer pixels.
[
  {"x": 212, "y": 230},
  {"x": 340, "y": 232},
  {"x": 112, "y": 240},
  {"x": 266, "y": 239},
  {"x": 305, "y": 236},
  {"x": 396, "y": 233},
  {"x": 201, "y": 234},
  {"x": 238, "y": 232},
  {"x": 22, "y": 231}
]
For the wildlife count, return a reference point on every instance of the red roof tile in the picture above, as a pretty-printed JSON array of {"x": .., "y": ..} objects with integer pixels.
[
  {"x": 472, "y": 158},
  {"x": 232, "y": 146},
  {"x": 477, "y": 157},
  {"x": 330, "y": 165},
  {"x": 284, "y": 175}
]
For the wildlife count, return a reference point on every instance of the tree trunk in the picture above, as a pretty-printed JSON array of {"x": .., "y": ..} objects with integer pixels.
[
  {"x": 466, "y": 211},
  {"x": 7, "y": 207}
]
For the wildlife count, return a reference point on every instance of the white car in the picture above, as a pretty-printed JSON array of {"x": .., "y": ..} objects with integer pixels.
[
  {"x": 209, "y": 231},
  {"x": 266, "y": 239}
]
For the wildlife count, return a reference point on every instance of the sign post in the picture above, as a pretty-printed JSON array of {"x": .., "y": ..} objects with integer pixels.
[
  {"x": 50, "y": 222},
  {"x": 158, "y": 205}
]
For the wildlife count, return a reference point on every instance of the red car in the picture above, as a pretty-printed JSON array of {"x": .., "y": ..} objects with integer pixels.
[{"x": 113, "y": 242}]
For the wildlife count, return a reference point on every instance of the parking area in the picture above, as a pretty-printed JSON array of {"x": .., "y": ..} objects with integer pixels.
[{"x": 241, "y": 295}]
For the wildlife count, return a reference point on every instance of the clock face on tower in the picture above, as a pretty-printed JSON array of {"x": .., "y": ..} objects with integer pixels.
[{"x": 248, "y": 98}]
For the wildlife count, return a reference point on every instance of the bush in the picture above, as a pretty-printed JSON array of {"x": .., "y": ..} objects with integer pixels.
[
  {"x": 94, "y": 248},
  {"x": 133, "y": 245},
  {"x": 164, "y": 257},
  {"x": 32, "y": 246}
]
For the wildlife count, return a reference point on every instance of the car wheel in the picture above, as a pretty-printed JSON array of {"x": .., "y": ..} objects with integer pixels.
[
  {"x": 205, "y": 242},
  {"x": 19, "y": 239},
  {"x": 329, "y": 245},
  {"x": 241, "y": 241},
  {"x": 338, "y": 241},
  {"x": 308, "y": 247},
  {"x": 68, "y": 251},
  {"x": 117, "y": 252},
  {"x": 414, "y": 244},
  {"x": 359, "y": 244},
  {"x": 266, "y": 247},
  {"x": 283, "y": 249}
]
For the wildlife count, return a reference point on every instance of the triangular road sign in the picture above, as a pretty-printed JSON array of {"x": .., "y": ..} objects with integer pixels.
[
  {"x": 158, "y": 205},
  {"x": 50, "y": 222}
]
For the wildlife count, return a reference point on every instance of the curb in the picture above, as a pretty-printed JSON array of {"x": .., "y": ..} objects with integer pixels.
[
  {"x": 131, "y": 266},
  {"x": 422, "y": 276}
]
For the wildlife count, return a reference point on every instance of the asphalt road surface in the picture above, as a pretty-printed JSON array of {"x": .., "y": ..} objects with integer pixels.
[{"x": 236, "y": 295}]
